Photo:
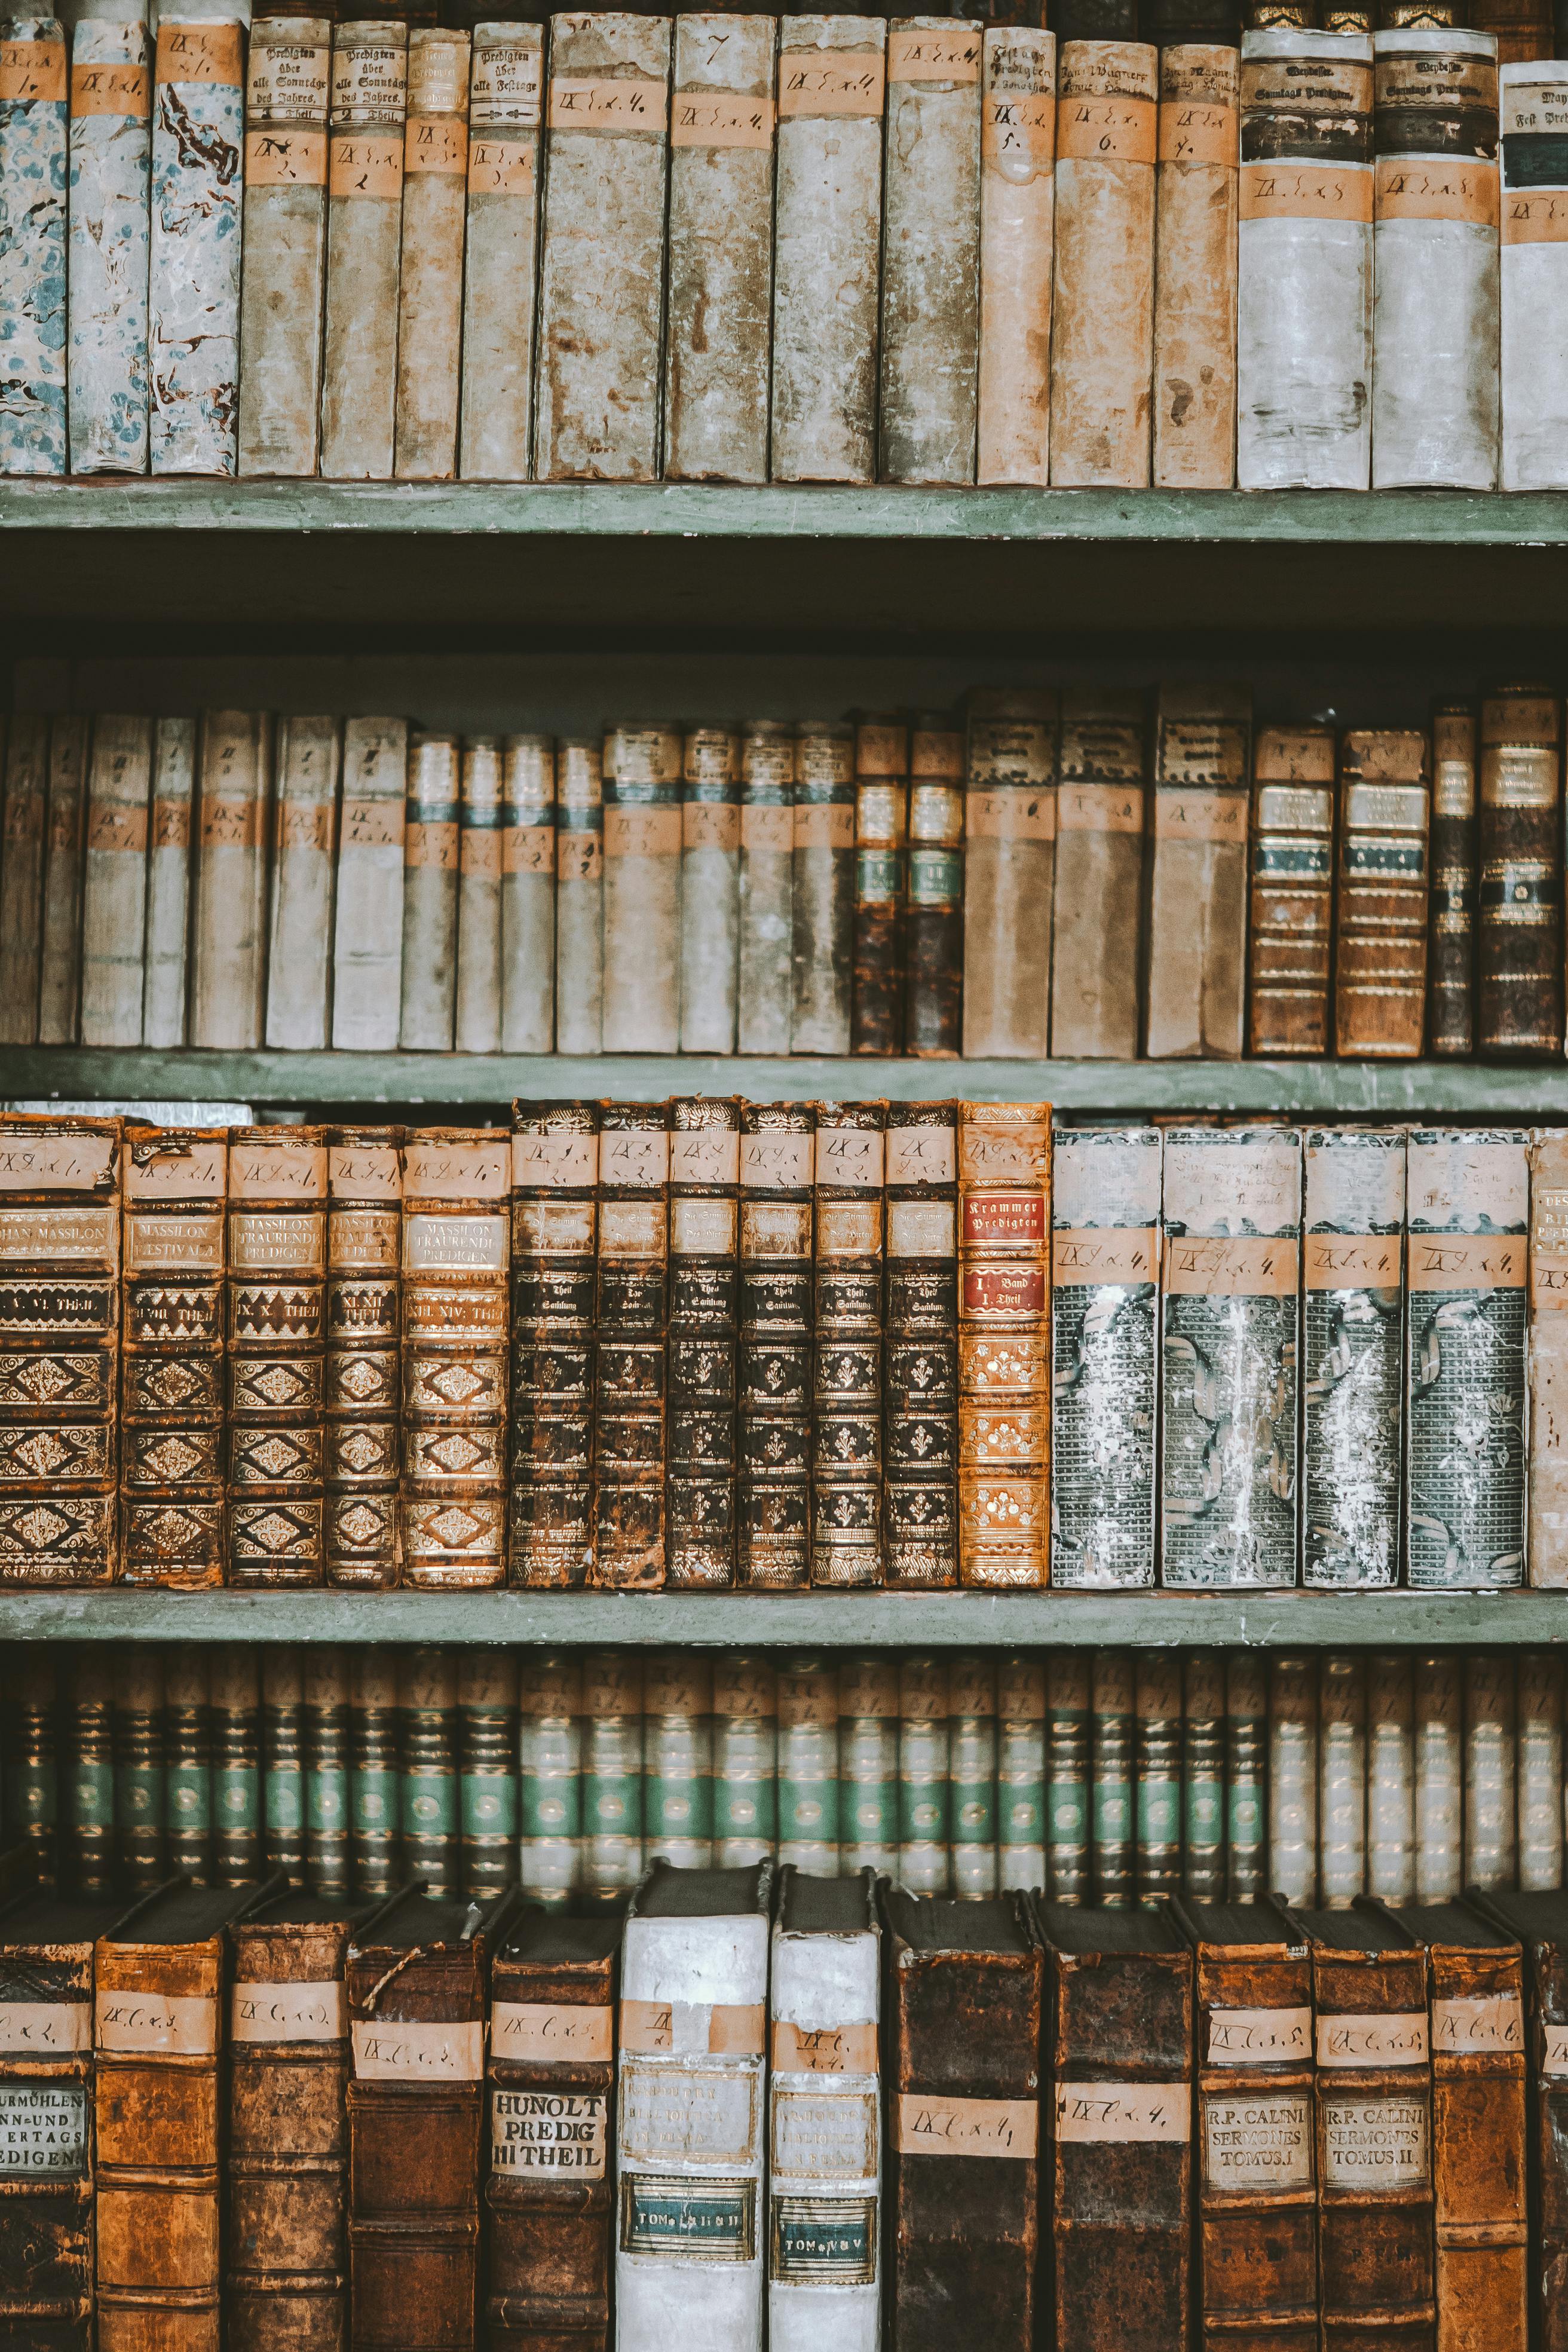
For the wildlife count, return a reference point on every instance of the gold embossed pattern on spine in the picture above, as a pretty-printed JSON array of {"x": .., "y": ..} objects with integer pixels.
[
  {"x": 555, "y": 1228},
  {"x": 364, "y": 1231},
  {"x": 846, "y": 1444},
  {"x": 919, "y": 1504},
  {"x": 1004, "y": 1343},
  {"x": 455, "y": 1188},
  {"x": 632, "y": 1314},
  {"x": 175, "y": 1182},
  {"x": 59, "y": 1335},
  {"x": 276, "y": 1353}
]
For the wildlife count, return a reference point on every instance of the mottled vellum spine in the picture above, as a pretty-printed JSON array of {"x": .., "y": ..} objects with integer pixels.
[
  {"x": 22, "y": 876},
  {"x": 528, "y": 896},
  {"x": 823, "y": 897},
  {"x": 1539, "y": 1771},
  {"x": 365, "y": 236},
  {"x": 1352, "y": 1356},
  {"x": 500, "y": 266},
  {"x": 827, "y": 224},
  {"x": 1390, "y": 1778},
  {"x": 710, "y": 880},
  {"x": 430, "y": 284},
  {"x": 1533, "y": 315},
  {"x": 304, "y": 844},
  {"x": 765, "y": 915},
  {"x": 365, "y": 1220},
  {"x": 642, "y": 768},
  {"x": 34, "y": 145},
  {"x": 111, "y": 169},
  {"x": 1342, "y": 1781},
  {"x": 1293, "y": 1779},
  {"x": 288, "y": 91},
  {"x": 115, "y": 882},
  {"x": 1103, "y": 350},
  {"x": 1196, "y": 977},
  {"x": 228, "y": 952},
  {"x": 1490, "y": 1837},
  {"x": 596, "y": 407},
  {"x": 1098, "y": 876},
  {"x": 931, "y": 251},
  {"x": 1009, "y": 872},
  {"x": 1004, "y": 1344},
  {"x": 579, "y": 897},
  {"x": 367, "y": 945},
  {"x": 1194, "y": 268},
  {"x": 164, "y": 972},
  {"x": 452, "y": 1511},
  {"x": 59, "y": 962},
  {"x": 718, "y": 331},
  {"x": 1547, "y": 1481},
  {"x": 430, "y": 894},
  {"x": 198, "y": 124},
  {"x": 277, "y": 1354},
  {"x": 481, "y": 823},
  {"x": 1017, "y": 228}
]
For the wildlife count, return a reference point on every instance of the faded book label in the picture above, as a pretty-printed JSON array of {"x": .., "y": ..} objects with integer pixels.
[
  {"x": 1259, "y": 2037},
  {"x": 556, "y": 1162},
  {"x": 703, "y": 1228},
  {"x": 1373, "y": 2143},
  {"x": 718, "y": 118},
  {"x": 174, "y": 1244},
  {"x": 922, "y": 1155},
  {"x": 1373, "y": 2040},
  {"x": 931, "y": 2125},
  {"x": 256, "y": 1172},
  {"x": 1194, "y": 133},
  {"x": 56, "y": 1163},
  {"x": 73, "y": 1235},
  {"x": 367, "y": 166},
  {"x": 825, "y": 2049},
  {"x": 820, "y": 827},
  {"x": 43, "y": 2131},
  {"x": 1258, "y": 2140},
  {"x": 260, "y": 1243},
  {"x": 1554, "y": 2049},
  {"x": 687, "y": 2115},
  {"x": 824, "y": 2134},
  {"x": 775, "y": 1229},
  {"x": 474, "y": 1245},
  {"x": 629, "y": 105},
  {"x": 1312, "y": 191},
  {"x": 555, "y": 1228},
  {"x": 1018, "y": 133},
  {"x": 699, "y": 2221},
  {"x": 831, "y": 81},
  {"x": 632, "y": 1228},
  {"x": 418, "y": 2054},
  {"x": 635, "y": 1161},
  {"x": 709, "y": 1155},
  {"x": 1181, "y": 814},
  {"x": 45, "y": 2029},
  {"x": 849, "y": 1157},
  {"x": 1468, "y": 1261},
  {"x": 1215, "y": 1266},
  {"x": 692, "y": 2027},
  {"x": 1106, "y": 130},
  {"x": 181, "y": 2025},
  {"x": 554, "y": 2132},
  {"x": 199, "y": 53},
  {"x": 1455, "y": 188},
  {"x": 1481, "y": 2026},
  {"x": 552, "y": 2033},
  {"x": 32, "y": 69},
  {"x": 289, "y": 81},
  {"x": 823, "y": 2240},
  {"x": 919, "y": 53},
  {"x": 434, "y": 1172},
  {"x": 921, "y": 1229},
  {"x": 363, "y": 1238},
  {"x": 848, "y": 1228},
  {"x": 101, "y": 88},
  {"x": 1012, "y": 813},
  {"x": 1353, "y": 1261},
  {"x": 287, "y": 2012},
  {"x": 1093, "y": 2112},
  {"x": 288, "y": 159},
  {"x": 1104, "y": 1255},
  {"x": 507, "y": 167},
  {"x": 1099, "y": 808},
  {"x": 776, "y": 1161}
]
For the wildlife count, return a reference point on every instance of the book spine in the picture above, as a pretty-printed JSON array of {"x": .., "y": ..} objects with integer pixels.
[
  {"x": 304, "y": 846},
  {"x": 709, "y": 883},
  {"x": 139, "y": 1841},
  {"x": 365, "y": 232},
  {"x": 1353, "y": 1342},
  {"x": 374, "y": 1800},
  {"x": 168, "y": 899},
  {"x": 1489, "y": 1833},
  {"x": 766, "y": 912},
  {"x": 920, "y": 1498},
  {"x": 501, "y": 267},
  {"x": 606, "y": 142},
  {"x": 549, "y": 1777},
  {"x": 933, "y": 918},
  {"x": 677, "y": 1760},
  {"x": 187, "y": 1763},
  {"x": 1342, "y": 1780},
  {"x": 1547, "y": 1484},
  {"x": 931, "y": 251},
  {"x": 847, "y": 1543},
  {"x": 1098, "y": 878},
  {"x": 1380, "y": 945},
  {"x": 228, "y": 950},
  {"x": 486, "y": 1781},
  {"x": 643, "y": 835},
  {"x": 1009, "y": 874},
  {"x": 111, "y": 185},
  {"x": 721, "y": 250},
  {"x": 1292, "y": 893},
  {"x": 1067, "y": 1851},
  {"x": 612, "y": 1774},
  {"x": 288, "y": 94},
  {"x": 824, "y": 895},
  {"x": 114, "y": 883},
  {"x": 825, "y": 2136},
  {"x": 360, "y": 1436},
  {"x": 867, "y": 1786},
  {"x": 702, "y": 1364},
  {"x": 579, "y": 899},
  {"x": 1102, "y": 352},
  {"x": 746, "y": 1761},
  {"x": 1194, "y": 281},
  {"x": 1539, "y": 1771},
  {"x": 631, "y": 1316},
  {"x": 1113, "y": 1814},
  {"x": 1293, "y": 1772},
  {"x": 1203, "y": 1777},
  {"x": 924, "y": 1862},
  {"x": 1436, "y": 280},
  {"x": 882, "y": 860},
  {"x": 46, "y": 1987},
  {"x": 528, "y": 896},
  {"x": 456, "y": 1257},
  {"x": 87, "y": 1825},
  {"x": 61, "y": 948},
  {"x": 1304, "y": 262},
  {"x": 30, "y": 1793},
  {"x": 1245, "y": 1780},
  {"x": 480, "y": 836},
  {"x": 774, "y": 1355},
  {"x": 34, "y": 151},
  {"x": 1533, "y": 155},
  {"x": 175, "y": 1184},
  {"x": 972, "y": 1777},
  {"x": 1478, "y": 2166},
  {"x": 198, "y": 131},
  {"x": 428, "y": 1780},
  {"x": 810, "y": 1727},
  {"x": 430, "y": 883},
  {"x": 236, "y": 1694},
  {"x": 277, "y": 1354},
  {"x": 22, "y": 876},
  {"x": 1004, "y": 1344},
  {"x": 1468, "y": 1194},
  {"x": 1020, "y": 1773},
  {"x": 1017, "y": 224},
  {"x": 325, "y": 1695},
  {"x": 1390, "y": 1779},
  {"x": 368, "y": 936},
  {"x": 1519, "y": 937},
  {"x": 1196, "y": 976},
  {"x": 555, "y": 1228},
  {"x": 1439, "y": 1780},
  {"x": 1451, "y": 946},
  {"x": 283, "y": 1764},
  {"x": 430, "y": 273}
]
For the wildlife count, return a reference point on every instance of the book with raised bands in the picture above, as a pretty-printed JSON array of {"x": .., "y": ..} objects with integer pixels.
[
  {"x": 846, "y": 1548},
  {"x": 277, "y": 1354},
  {"x": 364, "y": 1294},
  {"x": 1293, "y": 890},
  {"x": 774, "y": 1370},
  {"x": 921, "y": 1376},
  {"x": 554, "y": 1231},
  {"x": 632, "y": 1318},
  {"x": 1380, "y": 927},
  {"x": 172, "y": 1519},
  {"x": 1105, "y": 1286},
  {"x": 1004, "y": 1343}
]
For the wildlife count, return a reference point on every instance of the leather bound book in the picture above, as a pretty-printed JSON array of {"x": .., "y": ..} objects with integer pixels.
[
  {"x": 1018, "y": 219},
  {"x": 632, "y": 1314},
  {"x": 549, "y": 2191},
  {"x": 276, "y": 1353},
  {"x": 964, "y": 2000},
  {"x": 364, "y": 1234},
  {"x": 1380, "y": 920},
  {"x": 643, "y": 835},
  {"x": 1009, "y": 868},
  {"x": 1100, "y": 834},
  {"x": 1119, "y": 2114},
  {"x": 1538, "y": 1922},
  {"x": 1352, "y": 1355},
  {"x": 417, "y": 1977},
  {"x": 373, "y": 1770},
  {"x": 881, "y": 850},
  {"x": 172, "y": 1394},
  {"x": 554, "y": 1225},
  {"x": 1293, "y": 890},
  {"x": 549, "y": 1777},
  {"x": 699, "y": 1493},
  {"x": 26, "y": 749},
  {"x": 87, "y": 1822},
  {"x": 1451, "y": 940},
  {"x": 1197, "y": 950},
  {"x": 933, "y": 918},
  {"x": 1103, "y": 355},
  {"x": 1547, "y": 1356},
  {"x": 774, "y": 1380},
  {"x": 1257, "y": 2237},
  {"x": 920, "y": 1498},
  {"x": 430, "y": 277},
  {"x": 59, "y": 1342},
  {"x": 30, "y": 1687},
  {"x": 1004, "y": 1343},
  {"x": 500, "y": 273},
  {"x": 61, "y": 939},
  {"x": 847, "y": 1437},
  {"x": 822, "y": 899},
  {"x": 1519, "y": 959}
]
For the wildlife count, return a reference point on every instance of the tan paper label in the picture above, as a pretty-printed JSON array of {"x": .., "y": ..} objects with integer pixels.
[
  {"x": 372, "y": 825},
  {"x": 363, "y": 1172},
  {"x": 113, "y": 827},
  {"x": 1244, "y": 1267},
  {"x": 170, "y": 825},
  {"x": 1482, "y": 2026},
  {"x": 1306, "y": 192},
  {"x": 710, "y": 824},
  {"x": 1184, "y": 815},
  {"x": 181, "y": 2025},
  {"x": 825, "y": 2049},
  {"x": 636, "y": 1158},
  {"x": 704, "y": 1155},
  {"x": 528, "y": 848},
  {"x": 174, "y": 1244},
  {"x": 1106, "y": 130},
  {"x": 1258, "y": 2140},
  {"x": 928, "y": 2125},
  {"x": 831, "y": 81},
  {"x": 556, "y": 2132},
  {"x": 1259, "y": 2037},
  {"x": 287, "y": 2012},
  {"x": 718, "y": 118},
  {"x": 288, "y": 159},
  {"x": 1190, "y": 132},
  {"x": 32, "y": 69},
  {"x": 1104, "y": 1253},
  {"x": 366, "y": 166},
  {"x": 693, "y": 2029},
  {"x": 589, "y": 105},
  {"x": 481, "y": 851},
  {"x": 289, "y": 81},
  {"x": 233, "y": 824},
  {"x": 777, "y": 1160},
  {"x": 45, "y": 2029},
  {"x": 689, "y": 2115},
  {"x": 1554, "y": 2049},
  {"x": 1458, "y": 189},
  {"x": 448, "y": 1171},
  {"x": 922, "y": 1155},
  {"x": 1373, "y": 2040},
  {"x": 559, "y": 1163},
  {"x": 545, "y": 2033},
  {"x": 110, "y": 89},
  {"x": 1094, "y": 2112},
  {"x": 499, "y": 166},
  {"x": 1018, "y": 133},
  {"x": 48, "y": 1162},
  {"x": 418, "y": 2054},
  {"x": 1011, "y": 813},
  {"x": 579, "y": 858},
  {"x": 916, "y": 53},
  {"x": 200, "y": 53},
  {"x": 819, "y": 826},
  {"x": 1468, "y": 1261},
  {"x": 370, "y": 82},
  {"x": 457, "y": 1244},
  {"x": 1374, "y": 2144},
  {"x": 820, "y": 2135},
  {"x": 850, "y": 1156},
  {"x": 1539, "y": 217},
  {"x": 1353, "y": 1261},
  {"x": 1099, "y": 808},
  {"x": 173, "y": 1172},
  {"x": 435, "y": 142},
  {"x": 70, "y": 1236}
]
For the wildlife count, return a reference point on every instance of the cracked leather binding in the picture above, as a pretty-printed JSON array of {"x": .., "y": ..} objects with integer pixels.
[
  {"x": 933, "y": 917},
  {"x": 847, "y": 1382},
  {"x": 703, "y": 1347},
  {"x": 632, "y": 1315},
  {"x": 276, "y": 1353},
  {"x": 1004, "y": 1343},
  {"x": 774, "y": 1381},
  {"x": 172, "y": 1428},
  {"x": 554, "y": 1226},
  {"x": 881, "y": 856},
  {"x": 920, "y": 1495},
  {"x": 364, "y": 1234},
  {"x": 1451, "y": 945}
]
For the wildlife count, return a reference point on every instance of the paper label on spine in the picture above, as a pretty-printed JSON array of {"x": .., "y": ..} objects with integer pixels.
[
  {"x": 559, "y": 1163},
  {"x": 831, "y": 81},
  {"x": 687, "y": 2115},
  {"x": 1190, "y": 132},
  {"x": 1468, "y": 1261},
  {"x": 117, "y": 88},
  {"x": 701, "y": 2221},
  {"x": 1018, "y": 133},
  {"x": 824, "y": 2049},
  {"x": 1184, "y": 815},
  {"x": 418, "y": 2054},
  {"x": 824, "y": 2134},
  {"x": 287, "y": 2012},
  {"x": 916, "y": 53},
  {"x": 921, "y": 1155},
  {"x": 1353, "y": 1261},
  {"x": 70, "y": 1236},
  {"x": 1104, "y": 1253},
  {"x": 1538, "y": 218},
  {"x": 1259, "y": 2037},
  {"x": 1099, "y": 808},
  {"x": 434, "y": 143},
  {"x": 589, "y": 105},
  {"x": 704, "y": 1155},
  {"x": 179, "y": 2025},
  {"x": 45, "y": 2029},
  {"x": 1373, "y": 2040},
  {"x": 1374, "y": 2143},
  {"x": 560, "y": 2133},
  {"x": 1106, "y": 130},
  {"x": 43, "y": 2131},
  {"x": 552, "y": 2033},
  {"x": 819, "y": 826},
  {"x": 1089, "y": 2112},
  {"x": 1478, "y": 2027},
  {"x": 777, "y": 1160},
  {"x": 1258, "y": 2140},
  {"x": 1554, "y": 2050},
  {"x": 289, "y": 81},
  {"x": 32, "y": 70},
  {"x": 1455, "y": 189},
  {"x": 718, "y": 118},
  {"x": 289, "y": 159},
  {"x": 1306, "y": 192},
  {"x": 42, "y": 1162},
  {"x": 850, "y": 1156},
  {"x": 693, "y": 2029},
  {"x": 367, "y": 166},
  {"x": 931, "y": 2125}
]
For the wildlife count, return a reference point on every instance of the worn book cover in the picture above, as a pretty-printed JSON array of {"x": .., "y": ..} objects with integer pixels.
[
  {"x": 1534, "y": 157},
  {"x": 642, "y": 834},
  {"x": 110, "y": 225},
  {"x": 481, "y": 827},
  {"x": 933, "y": 917},
  {"x": 1009, "y": 878},
  {"x": 1293, "y": 890},
  {"x": 198, "y": 131},
  {"x": 528, "y": 856},
  {"x": 774, "y": 1364},
  {"x": 1102, "y": 349},
  {"x": 1098, "y": 876},
  {"x": 632, "y": 1318},
  {"x": 117, "y": 886},
  {"x": 364, "y": 1324},
  {"x": 1380, "y": 915},
  {"x": 304, "y": 856},
  {"x": 364, "y": 236},
  {"x": 34, "y": 154},
  {"x": 703, "y": 1345},
  {"x": 1538, "y": 1924},
  {"x": 1196, "y": 982},
  {"x": 1004, "y": 1343},
  {"x": 276, "y": 1353},
  {"x": 1105, "y": 1282},
  {"x": 287, "y": 98},
  {"x": 1519, "y": 940},
  {"x": 1352, "y": 1356},
  {"x": 920, "y": 1489},
  {"x": 26, "y": 748},
  {"x": 1451, "y": 943},
  {"x": 430, "y": 270},
  {"x": 1195, "y": 184},
  {"x": 710, "y": 882},
  {"x": 579, "y": 897},
  {"x": 765, "y": 914},
  {"x": 1547, "y": 1546},
  {"x": 60, "y": 948},
  {"x": 1017, "y": 215},
  {"x": 165, "y": 961},
  {"x": 931, "y": 251},
  {"x": 881, "y": 856},
  {"x": 431, "y": 856},
  {"x": 500, "y": 260},
  {"x": 846, "y": 1547},
  {"x": 228, "y": 926},
  {"x": 554, "y": 1231},
  {"x": 550, "y": 1775}
]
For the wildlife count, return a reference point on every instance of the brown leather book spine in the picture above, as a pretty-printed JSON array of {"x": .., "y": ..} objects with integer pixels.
[
  {"x": 554, "y": 1226},
  {"x": 1547, "y": 1359},
  {"x": 773, "y": 1498},
  {"x": 699, "y": 1490},
  {"x": 1293, "y": 890},
  {"x": 276, "y": 1353},
  {"x": 1196, "y": 980},
  {"x": 1380, "y": 919},
  {"x": 1518, "y": 957},
  {"x": 171, "y": 1396},
  {"x": 934, "y": 940},
  {"x": 1004, "y": 1344},
  {"x": 919, "y": 1501},
  {"x": 881, "y": 845},
  {"x": 1100, "y": 877},
  {"x": 847, "y": 1436},
  {"x": 46, "y": 2144},
  {"x": 1478, "y": 2146},
  {"x": 633, "y": 1316},
  {"x": 1451, "y": 949},
  {"x": 364, "y": 1289}
]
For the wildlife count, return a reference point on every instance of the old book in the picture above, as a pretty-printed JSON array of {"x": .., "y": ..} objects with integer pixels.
[
  {"x": 324, "y": 1675},
  {"x": 1102, "y": 352},
  {"x": 109, "y": 224},
  {"x": 1450, "y": 951},
  {"x": 364, "y": 236},
  {"x": 486, "y": 1768},
  {"x": 702, "y": 1360},
  {"x": 1202, "y": 1776},
  {"x": 924, "y": 1852},
  {"x": 528, "y": 895},
  {"x": 827, "y": 232},
  {"x": 631, "y": 1313},
  {"x": 427, "y": 1775},
  {"x": 1105, "y": 1277},
  {"x": 367, "y": 913},
  {"x": 373, "y": 1771},
  {"x": 1292, "y": 1778},
  {"x": 1547, "y": 1359},
  {"x": 363, "y": 1318},
  {"x": 554, "y": 1229},
  {"x": 931, "y": 252},
  {"x": 1490, "y": 1791},
  {"x": 1352, "y": 1355},
  {"x": 746, "y": 1758},
  {"x": 1245, "y": 1778},
  {"x": 606, "y": 153},
  {"x": 31, "y": 1790},
  {"x": 116, "y": 883},
  {"x": 932, "y": 1018},
  {"x": 579, "y": 897},
  {"x": 416, "y": 1978},
  {"x": 920, "y": 1495},
  {"x": 709, "y": 883},
  {"x": 198, "y": 130},
  {"x": 456, "y": 1253},
  {"x": 168, "y": 902},
  {"x": 825, "y": 886},
  {"x": 1098, "y": 884},
  {"x": 612, "y": 1776},
  {"x": 1390, "y": 1778},
  {"x": 1111, "y": 1825},
  {"x": 1538, "y": 1924},
  {"x": 677, "y": 1760},
  {"x": 288, "y": 95},
  {"x": 847, "y": 1537},
  {"x": 1009, "y": 872},
  {"x": 140, "y": 1845},
  {"x": 773, "y": 1382},
  {"x": 1518, "y": 979},
  {"x": 235, "y": 1689},
  {"x": 283, "y": 1762},
  {"x": 60, "y": 945},
  {"x": 1194, "y": 279},
  {"x": 229, "y": 945},
  {"x": 548, "y": 2191},
  {"x": 1467, "y": 1253},
  {"x": 34, "y": 153},
  {"x": 482, "y": 823},
  {"x": 832, "y": 1724},
  {"x": 1020, "y": 1772},
  {"x": 1231, "y": 1278},
  {"x": 1304, "y": 267},
  {"x": 1118, "y": 2101},
  {"x": 27, "y": 752},
  {"x": 1293, "y": 890},
  {"x": 1534, "y": 152},
  {"x": 720, "y": 249},
  {"x": 964, "y": 2117},
  {"x": 500, "y": 265},
  {"x": 867, "y": 1763},
  {"x": 187, "y": 1763},
  {"x": 972, "y": 1776},
  {"x": 643, "y": 838},
  {"x": 690, "y": 2077},
  {"x": 1017, "y": 213},
  {"x": 1439, "y": 1776},
  {"x": 86, "y": 1818},
  {"x": 430, "y": 888},
  {"x": 277, "y": 1354},
  {"x": 549, "y": 1777},
  {"x": 765, "y": 910},
  {"x": 304, "y": 849},
  {"x": 881, "y": 837},
  {"x": 1004, "y": 1343},
  {"x": 430, "y": 270},
  {"x": 1195, "y": 976},
  {"x": 1380, "y": 915}
]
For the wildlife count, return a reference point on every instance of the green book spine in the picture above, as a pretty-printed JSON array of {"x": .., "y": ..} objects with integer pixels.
[
  {"x": 375, "y": 1794},
  {"x": 283, "y": 1762},
  {"x": 925, "y": 1864},
  {"x": 234, "y": 1681},
  {"x": 550, "y": 1788},
  {"x": 428, "y": 1704},
  {"x": 809, "y": 1821},
  {"x": 745, "y": 1760},
  {"x": 328, "y": 1861},
  {"x": 87, "y": 1843},
  {"x": 1245, "y": 1777},
  {"x": 1159, "y": 1774},
  {"x": 868, "y": 1765},
  {"x": 612, "y": 1772},
  {"x": 1067, "y": 1776},
  {"x": 677, "y": 1759},
  {"x": 139, "y": 1770},
  {"x": 1203, "y": 1777},
  {"x": 1020, "y": 1773},
  {"x": 187, "y": 1771},
  {"x": 487, "y": 1706},
  {"x": 1111, "y": 1795},
  {"x": 972, "y": 1774}
]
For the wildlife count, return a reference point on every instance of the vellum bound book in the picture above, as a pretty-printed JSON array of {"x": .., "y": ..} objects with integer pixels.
[{"x": 1352, "y": 1347}]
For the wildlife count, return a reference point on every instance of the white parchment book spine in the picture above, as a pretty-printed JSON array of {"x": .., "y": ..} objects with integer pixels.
[
  {"x": 304, "y": 843},
  {"x": 60, "y": 979},
  {"x": 168, "y": 883},
  {"x": 198, "y": 126},
  {"x": 367, "y": 947},
  {"x": 114, "y": 883},
  {"x": 824, "y": 2143},
  {"x": 111, "y": 170},
  {"x": 430, "y": 894}
]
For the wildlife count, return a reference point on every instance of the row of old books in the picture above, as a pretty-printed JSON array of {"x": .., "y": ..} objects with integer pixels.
[
  {"x": 1069, "y": 874},
  {"x": 798, "y": 248},
  {"x": 1103, "y": 1776},
  {"x": 823, "y": 2112}
]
